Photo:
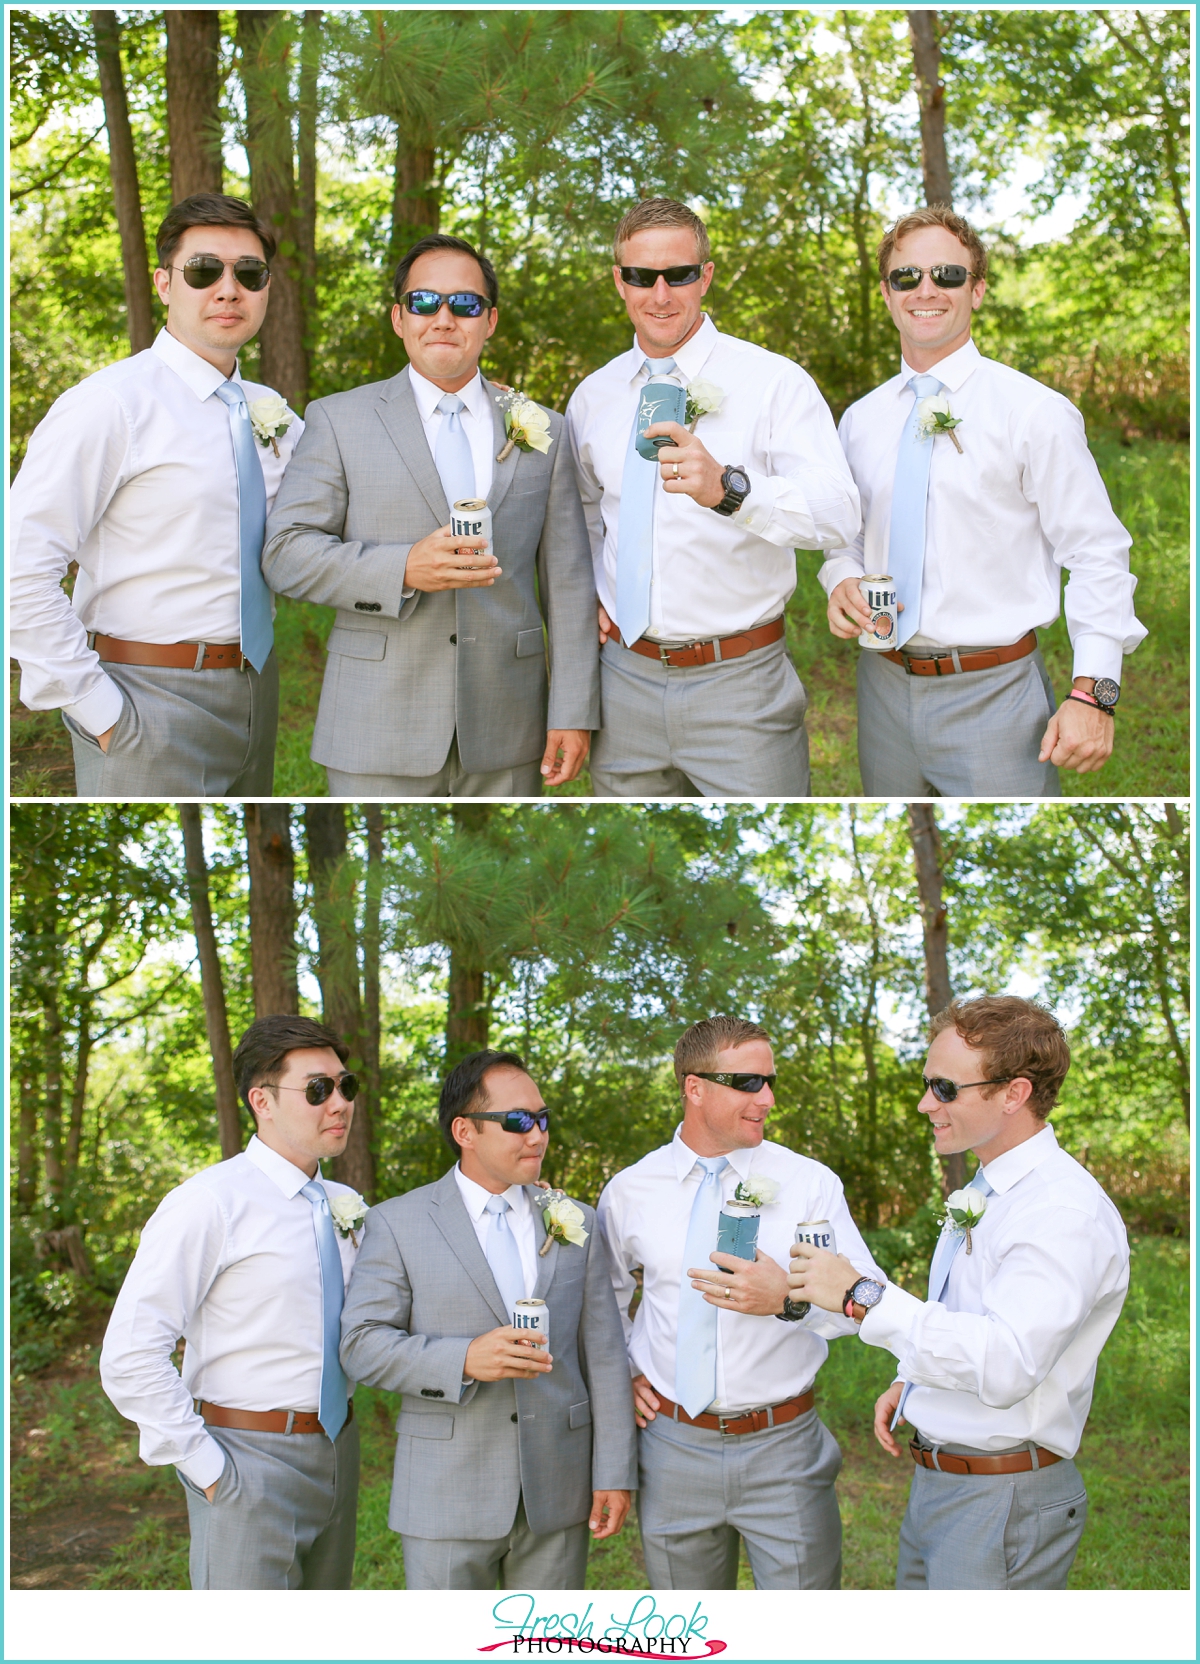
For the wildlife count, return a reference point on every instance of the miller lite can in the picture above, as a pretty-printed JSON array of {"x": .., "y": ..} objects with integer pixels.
[
  {"x": 533, "y": 1317},
  {"x": 818, "y": 1233},
  {"x": 471, "y": 517},
  {"x": 879, "y": 592}
]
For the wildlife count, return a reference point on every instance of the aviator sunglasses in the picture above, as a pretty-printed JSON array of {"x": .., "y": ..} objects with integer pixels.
[
  {"x": 740, "y": 1083},
  {"x": 645, "y": 277},
  {"x": 201, "y": 271},
  {"x": 321, "y": 1087},
  {"x": 945, "y": 1091},
  {"x": 945, "y": 277},
  {"x": 425, "y": 303},
  {"x": 516, "y": 1120}
]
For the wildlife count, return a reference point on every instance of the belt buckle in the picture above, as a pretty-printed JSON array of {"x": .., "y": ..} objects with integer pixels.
[
  {"x": 664, "y": 656},
  {"x": 723, "y": 1429}
]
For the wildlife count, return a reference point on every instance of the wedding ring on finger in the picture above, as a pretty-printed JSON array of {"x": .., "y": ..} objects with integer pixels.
[{"x": 676, "y": 470}]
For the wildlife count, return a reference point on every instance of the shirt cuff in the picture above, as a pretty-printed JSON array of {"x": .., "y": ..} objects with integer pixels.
[
  {"x": 756, "y": 510},
  {"x": 1098, "y": 656},
  {"x": 889, "y": 1324},
  {"x": 837, "y": 568},
  {"x": 206, "y": 1466},
  {"x": 98, "y": 710}
]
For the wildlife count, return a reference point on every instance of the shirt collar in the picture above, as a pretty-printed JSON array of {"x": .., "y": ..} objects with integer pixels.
[
  {"x": 691, "y": 357},
  {"x": 686, "y": 1158},
  {"x": 278, "y": 1169},
  {"x": 195, "y": 372},
  {"x": 427, "y": 394},
  {"x": 951, "y": 371},
  {"x": 476, "y": 1198},
  {"x": 1008, "y": 1169}
]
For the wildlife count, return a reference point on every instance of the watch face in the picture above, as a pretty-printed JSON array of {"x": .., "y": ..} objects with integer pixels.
[
  {"x": 738, "y": 481},
  {"x": 1106, "y": 692},
  {"x": 867, "y": 1292}
]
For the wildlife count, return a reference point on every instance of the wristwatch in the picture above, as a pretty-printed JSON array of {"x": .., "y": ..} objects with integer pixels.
[
  {"x": 736, "y": 483},
  {"x": 793, "y": 1310},
  {"x": 1106, "y": 692},
  {"x": 866, "y": 1292}
]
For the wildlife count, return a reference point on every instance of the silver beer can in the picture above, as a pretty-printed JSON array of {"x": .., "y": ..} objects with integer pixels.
[
  {"x": 879, "y": 592},
  {"x": 471, "y": 517},
  {"x": 533, "y": 1317},
  {"x": 818, "y": 1233}
]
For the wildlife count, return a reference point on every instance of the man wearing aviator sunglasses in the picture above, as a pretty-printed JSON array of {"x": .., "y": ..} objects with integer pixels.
[
  {"x": 974, "y": 521},
  {"x": 457, "y": 666},
  {"x": 510, "y": 1451},
  {"x": 996, "y": 1368},
  {"x": 151, "y": 476},
  {"x": 249, "y": 1262}
]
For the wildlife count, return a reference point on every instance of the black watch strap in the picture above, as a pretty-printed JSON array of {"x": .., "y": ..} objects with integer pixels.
[
  {"x": 734, "y": 496},
  {"x": 793, "y": 1310}
]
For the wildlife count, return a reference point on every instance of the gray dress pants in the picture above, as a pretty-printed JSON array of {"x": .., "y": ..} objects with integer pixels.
[
  {"x": 451, "y": 780},
  {"x": 283, "y": 1513},
  {"x": 715, "y": 730},
  {"x": 184, "y": 733},
  {"x": 700, "y": 1490},
  {"x": 991, "y": 1531},
  {"x": 518, "y": 1560}
]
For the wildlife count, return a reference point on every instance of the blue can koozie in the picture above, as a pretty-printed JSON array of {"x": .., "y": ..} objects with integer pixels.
[
  {"x": 737, "y": 1233},
  {"x": 661, "y": 401}
]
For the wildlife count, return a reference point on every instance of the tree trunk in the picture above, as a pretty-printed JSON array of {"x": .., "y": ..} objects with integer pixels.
[
  {"x": 216, "y": 1020},
  {"x": 83, "y": 1058},
  {"x": 466, "y": 1007},
  {"x": 264, "y": 51},
  {"x": 194, "y": 102},
  {"x": 306, "y": 160},
  {"x": 927, "y": 849},
  {"x": 931, "y": 95},
  {"x": 272, "y": 909},
  {"x": 123, "y": 168},
  {"x": 29, "y": 1081},
  {"x": 416, "y": 210},
  {"x": 371, "y": 944},
  {"x": 332, "y": 880}
]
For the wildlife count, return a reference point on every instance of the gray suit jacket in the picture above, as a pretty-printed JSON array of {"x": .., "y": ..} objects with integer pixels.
[
  {"x": 422, "y": 1290},
  {"x": 402, "y": 675}
]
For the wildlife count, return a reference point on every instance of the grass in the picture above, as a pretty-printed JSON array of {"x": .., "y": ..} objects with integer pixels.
[
  {"x": 1149, "y": 486},
  {"x": 87, "y": 1513}
]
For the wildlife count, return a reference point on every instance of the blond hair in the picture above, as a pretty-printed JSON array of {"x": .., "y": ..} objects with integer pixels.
[
  {"x": 698, "y": 1047},
  {"x": 660, "y": 211},
  {"x": 918, "y": 220}
]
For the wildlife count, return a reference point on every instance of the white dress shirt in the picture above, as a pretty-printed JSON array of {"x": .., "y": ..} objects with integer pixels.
[
  {"x": 712, "y": 575},
  {"x": 477, "y": 422},
  {"x": 229, "y": 1261},
  {"x": 520, "y": 1221},
  {"x": 132, "y": 474},
  {"x": 1009, "y": 1352},
  {"x": 643, "y": 1217},
  {"x": 1024, "y": 500}
]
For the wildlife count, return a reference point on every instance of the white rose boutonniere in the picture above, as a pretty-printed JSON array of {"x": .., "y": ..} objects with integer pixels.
[
  {"x": 704, "y": 398},
  {"x": 757, "y": 1192},
  {"x": 270, "y": 418},
  {"x": 526, "y": 424},
  {"x": 934, "y": 416},
  {"x": 348, "y": 1214},
  {"x": 964, "y": 1210},
  {"x": 563, "y": 1220}
]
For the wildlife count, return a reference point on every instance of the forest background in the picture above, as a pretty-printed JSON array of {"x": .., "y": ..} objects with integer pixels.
[
  {"x": 144, "y": 938},
  {"x": 797, "y": 133}
]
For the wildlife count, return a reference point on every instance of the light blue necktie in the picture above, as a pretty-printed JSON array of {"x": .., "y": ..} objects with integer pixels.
[
  {"x": 906, "y": 546},
  {"x": 452, "y": 454},
  {"x": 257, "y": 630},
  {"x": 635, "y": 529},
  {"x": 503, "y": 1255},
  {"x": 948, "y": 1245},
  {"x": 333, "y": 1402},
  {"x": 696, "y": 1333}
]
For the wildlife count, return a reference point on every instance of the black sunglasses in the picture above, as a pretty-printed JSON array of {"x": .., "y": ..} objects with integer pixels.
[
  {"x": 426, "y": 303},
  {"x": 945, "y": 277},
  {"x": 740, "y": 1083},
  {"x": 321, "y": 1087},
  {"x": 645, "y": 277},
  {"x": 516, "y": 1120},
  {"x": 945, "y": 1091},
  {"x": 201, "y": 271}
]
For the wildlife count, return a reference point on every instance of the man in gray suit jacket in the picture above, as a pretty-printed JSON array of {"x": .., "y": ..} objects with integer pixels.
[
  {"x": 440, "y": 680},
  {"x": 507, "y": 1453}
]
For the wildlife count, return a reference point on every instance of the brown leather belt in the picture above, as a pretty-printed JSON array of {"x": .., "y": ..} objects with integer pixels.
[
  {"x": 715, "y": 651},
  {"x": 754, "y": 1421},
  {"x": 949, "y": 664},
  {"x": 265, "y": 1421},
  {"x": 1020, "y": 1461},
  {"x": 174, "y": 655}
]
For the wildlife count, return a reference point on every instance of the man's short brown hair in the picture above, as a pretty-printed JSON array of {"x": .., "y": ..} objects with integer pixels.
[
  {"x": 1015, "y": 1038},
  {"x": 262, "y": 1052},
  {"x": 697, "y": 1048},
  {"x": 661, "y": 210},
  {"x": 209, "y": 208},
  {"x": 922, "y": 217}
]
